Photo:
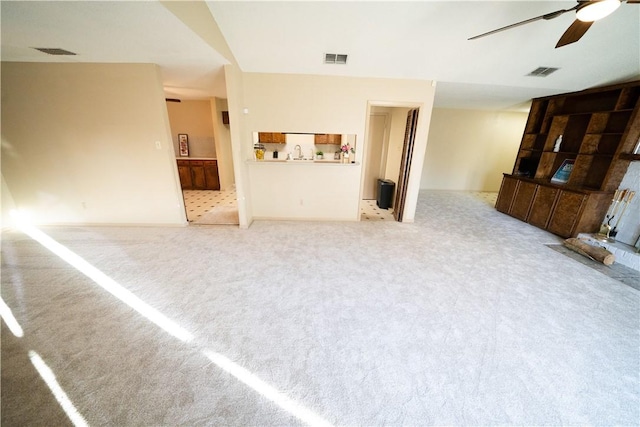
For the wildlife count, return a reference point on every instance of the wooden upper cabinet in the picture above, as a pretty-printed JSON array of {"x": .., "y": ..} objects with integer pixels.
[
  {"x": 328, "y": 138},
  {"x": 271, "y": 137},
  {"x": 281, "y": 138},
  {"x": 335, "y": 138},
  {"x": 321, "y": 138}
]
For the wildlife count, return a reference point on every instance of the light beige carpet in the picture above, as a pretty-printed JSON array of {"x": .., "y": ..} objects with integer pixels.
[
  {"x": 463, "y": 318},
  {"x": 219, "y": 215}
]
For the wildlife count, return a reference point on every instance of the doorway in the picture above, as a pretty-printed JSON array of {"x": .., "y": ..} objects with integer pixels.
[
  {"x": 390, "y": 137},
  {"x": 209, "y": 196}
]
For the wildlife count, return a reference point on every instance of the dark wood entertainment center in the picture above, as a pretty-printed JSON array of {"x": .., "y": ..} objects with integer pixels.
[{"x": 600, "y": 129}]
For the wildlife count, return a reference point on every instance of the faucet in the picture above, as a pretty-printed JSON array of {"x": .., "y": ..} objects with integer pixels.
[{"x": 298, "y": 149}]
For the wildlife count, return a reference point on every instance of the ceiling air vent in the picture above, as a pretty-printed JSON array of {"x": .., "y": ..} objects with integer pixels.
[
  {"x": 335, "y": 58},
  {"x": 54, "y": 51},
  {"x": 542, "y": 71}
]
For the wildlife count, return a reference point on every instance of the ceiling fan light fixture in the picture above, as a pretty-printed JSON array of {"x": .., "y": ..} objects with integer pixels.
[{"x": 597, "y": 10}]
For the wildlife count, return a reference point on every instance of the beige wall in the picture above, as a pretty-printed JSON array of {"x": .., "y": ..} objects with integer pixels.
[
  {"x": 470, "y": 149},
  {"x": 323, "y": 104},
  {"x": 396, "y": 143},
  {"x": 223, "y": 144},
  {"x": 80, "y": 144},
  {"x": 7, "y": 205},
  {"x": 194, "y": 119}
]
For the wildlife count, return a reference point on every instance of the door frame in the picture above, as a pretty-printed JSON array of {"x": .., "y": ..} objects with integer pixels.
[
  {"x": 405, "y": 162},
  {"x": 410, "y": 166}
]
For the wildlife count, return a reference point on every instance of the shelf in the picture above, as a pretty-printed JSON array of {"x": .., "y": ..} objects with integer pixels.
[{"x": 596, "y": 126}]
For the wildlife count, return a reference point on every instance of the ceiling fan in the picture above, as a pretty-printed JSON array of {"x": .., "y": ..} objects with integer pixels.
[{"x": 587, "y": 12}]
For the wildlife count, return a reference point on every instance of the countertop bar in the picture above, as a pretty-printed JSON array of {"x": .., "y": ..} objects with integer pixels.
[
  {"x": 301, "y": 162},
  {"x": 196, "y": 158}
]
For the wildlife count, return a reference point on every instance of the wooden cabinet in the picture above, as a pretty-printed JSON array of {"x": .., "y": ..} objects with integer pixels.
[
  {"x": 543, "y": 203},
  {"x": 318, "y": 138},
  {"x": 566, "y": 212},
  {"x": 551, "y": 207},
  {"x": 505, "y": 196},
  {"x": 600, "y": 128},
  {"x": 271, "y": 137},
  {"x": 211, "y": 174},
  {"x": 198, "y": 174},
  {"x": 328, "y": 138},
  {"x": 184, "y": 170},
  {"x": 522, "y": 200}
]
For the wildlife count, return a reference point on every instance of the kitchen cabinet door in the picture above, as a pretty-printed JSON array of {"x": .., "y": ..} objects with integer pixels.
[
  {"x": 320, "y": 138},
  {"x": 264, "y": 137},
  {"x": 211, "y": 175},
  {"x": 184, "y": 171},
  {"x": 334, "y": 138},
  {"x": 328, "y": 138},
  {"x": 197, "y": 175},
  {"x": 271, "y": 137}
]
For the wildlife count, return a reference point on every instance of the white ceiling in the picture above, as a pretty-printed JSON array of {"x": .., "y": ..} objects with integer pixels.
[{"x": 388, "y": 39}]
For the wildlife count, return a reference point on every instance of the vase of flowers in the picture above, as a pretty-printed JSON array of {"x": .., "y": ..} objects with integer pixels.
[{"x": 345, "y": 152}]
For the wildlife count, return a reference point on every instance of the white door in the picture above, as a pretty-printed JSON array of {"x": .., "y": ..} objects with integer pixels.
[{"x": 377, "y": 129}]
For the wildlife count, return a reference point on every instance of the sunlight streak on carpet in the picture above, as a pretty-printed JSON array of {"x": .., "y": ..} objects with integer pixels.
[
  {"x": 50, "y": 379},
  {"x": 10, "y": 320},
  {"x": 269, "y": 392},
  {"x": 103, "y": 280}
]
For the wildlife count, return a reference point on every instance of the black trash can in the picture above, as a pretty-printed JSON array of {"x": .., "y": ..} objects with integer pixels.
[{"x": 385, "y": 193}]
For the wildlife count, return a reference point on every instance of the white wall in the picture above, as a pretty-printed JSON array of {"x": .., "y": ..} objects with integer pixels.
[
  {"x": 629, "y": 227},
  {"x": 323, "y": 104},
  {"x": 79, "y": 144},
  {"x": 470, "y": 149}
]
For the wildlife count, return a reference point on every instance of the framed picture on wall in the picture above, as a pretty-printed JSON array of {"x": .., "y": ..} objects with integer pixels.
[{"x": 183, "y": 143}]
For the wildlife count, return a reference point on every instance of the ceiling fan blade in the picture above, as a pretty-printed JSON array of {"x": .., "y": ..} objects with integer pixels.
[
  {"x": 574, "y": 33},
  {"x": 633, "y": 1},
  {"x": 546, "y": 16}
]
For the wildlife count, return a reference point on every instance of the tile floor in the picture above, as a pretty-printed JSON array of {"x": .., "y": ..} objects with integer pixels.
[
  {"x": 198, "y": 202},
  {"x": 369, "y": 211}
]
